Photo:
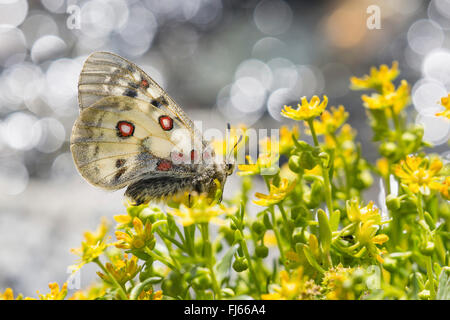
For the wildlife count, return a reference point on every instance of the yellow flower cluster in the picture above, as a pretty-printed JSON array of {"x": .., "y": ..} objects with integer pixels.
[
  {"x": 420, "y": 175},
  {"x": 397, "y": 99},
  {"x": 202, "y": 210},
  {"x": 276, "y": 194},
  {"x": 330, "y": 121},
  {"x": 93, "y": 246},
  {"x": 306, "y": 110},
  {"x": 295, "y": 286},
  {"x": 122, "y": 270},
  {"x": 142, "y": 237},
  {"x": 377, "y": 77}
]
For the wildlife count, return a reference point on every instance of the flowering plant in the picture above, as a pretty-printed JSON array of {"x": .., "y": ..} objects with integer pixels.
[{"x": 315, "y": 235}]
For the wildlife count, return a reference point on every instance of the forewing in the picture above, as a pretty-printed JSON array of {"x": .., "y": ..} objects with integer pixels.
[
  {"x": 106, "y": 74},
  {"x": 120, "y": 139}
]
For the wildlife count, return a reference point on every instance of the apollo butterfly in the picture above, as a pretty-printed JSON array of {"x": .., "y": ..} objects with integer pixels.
[{"x": 131, "y": 133}]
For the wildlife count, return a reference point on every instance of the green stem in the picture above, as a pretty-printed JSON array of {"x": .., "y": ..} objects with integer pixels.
[
  {"x": 250, "y": 265},
  {"x": 161, "y": 259},
  {"x": 277, "y": 234},
  {"x": 325, "y": 173},
  {"x": 120, "y": 288},
  {"x": 207, "y": 246},
  {"x": 430, "y": 274}
]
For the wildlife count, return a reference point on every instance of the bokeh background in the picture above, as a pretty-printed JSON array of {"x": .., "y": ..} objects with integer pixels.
[{"x": 224, "y": 61}]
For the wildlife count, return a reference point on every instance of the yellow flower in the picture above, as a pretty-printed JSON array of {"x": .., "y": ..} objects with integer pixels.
[
  {"x": 122, "y": 270},
  {"x": 383, "y": 167},
  {"x": 276, "y": 194},
  {"x": 355, "y": 213},
  {"x": 149, "y": 295},
  {"x": 201, "y": 211},
  {"x": 93, "y": 246},
  {"x": 377, "y": 78},
  {"x": 306, "y": 110},
  {"x": 270, "y": 239},
  {"x": 397, "y": 99},
  {"x": 294, "y": 286},
  {"x": 335, "y": 282},
  {"x": 94, "y": 291},
  {"x": 368, "y": 238},
  {"x": 55, "y": 292},
  {"x": 7, "y": 295},
  {"x": 330, "y": 121},
  {"x": 419, "y": 174},
  {"x": 445, "y": 188},
  {"x": 140, "y": 238},
  {"x": 445, "y": 101},
  {"x": 264, "y": 165}
]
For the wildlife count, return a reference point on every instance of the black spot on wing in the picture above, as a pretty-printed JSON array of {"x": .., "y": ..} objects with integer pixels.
[
  {"x": 130, "y": 93},
  {"x": 119, "y": 174},
  {"x": 133, "y": 85},
  {"x": 120, "y": 162}
]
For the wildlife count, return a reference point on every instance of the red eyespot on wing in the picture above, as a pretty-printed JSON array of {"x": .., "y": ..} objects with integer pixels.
[
  {"x": 144, "y": 84},
  {"x": 125, "y": 129},
  {"x": 164, "y": 165},
  {"x": 166, "y": 123},
  {"x": 177, "y": 157}
]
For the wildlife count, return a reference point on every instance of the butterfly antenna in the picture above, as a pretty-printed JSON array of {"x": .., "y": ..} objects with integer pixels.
[{"x": 230, "y": 153}]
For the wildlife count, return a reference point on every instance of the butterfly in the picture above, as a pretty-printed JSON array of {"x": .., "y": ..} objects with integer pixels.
[{"x": 131, "y": 133}]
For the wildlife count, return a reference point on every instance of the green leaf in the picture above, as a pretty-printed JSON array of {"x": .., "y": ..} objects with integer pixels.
[
  {"x": 139, "y": 287},
  {"x": 310, "y": 257},
  {"x": 223, "y": 266},
  {"x": 324, "y": 230},
  {"x": 443, "y": 292}
]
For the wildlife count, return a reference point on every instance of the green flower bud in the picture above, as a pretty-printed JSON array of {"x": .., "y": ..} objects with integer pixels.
[
  {"x": 298, "y": 235},
  {"x": 202, "y": 282},
  {"x": 424, "y": 295},
  {"x": 393, "y": 203},
  {"x": 408, "y": 137},
  {"x": 294, "y": 164},
  {"x": 238, "y": 236},
  {"x": 427, "y": 248},
  {"x": 388, "y": 149},
  {"x": 307, "y": 161},
  {"x": 261, "y": 251},
  {"x": 240, "y": 264},
  {"x": 258, "y": 228}
]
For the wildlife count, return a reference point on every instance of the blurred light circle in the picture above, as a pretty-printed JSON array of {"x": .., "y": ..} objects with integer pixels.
[
  {"x": 47, "y": 48},
  {"x": 13, "y": 12},
  {"x": 165, "y": 7},
  {"x": 439, "y": 12},
  {"x": 310, "y": 81},
  {"x": 436, "y": 129},
  {"x": 61, "y": 85},
  {"x": 424, "y": 36},
  {"x": 268, "y": 48},
  {"x": 273, "y": 17},
  {"x": 426, "y": 94},
  {"x": 138, "y": 33},
  {"x": 436, "y": 65},
  {"x": 345, "y": 27},
  {"x": 405, "y": 7},
  {"x": 62, "y": 167},
  {"x": 208, "y": 11},
  {"x": 247, "y": 94},
  {"x": 37, "y": 26},
  {"x": 256, "y": 69},
  {"x": 277, "y": 100},
  {"x": 97, "y": 19},
  {"x": 23, "y": 81},
  {"x": 52, "y": 135},
  {"x": 13, "y": 46},
  {"x": 19, "y": 131},
  {"x": 121, "y": 13},
  {"x": 55, "y": 6},
  {"x": 284, "y": 73},
  {"x": 13, "y": 177}
]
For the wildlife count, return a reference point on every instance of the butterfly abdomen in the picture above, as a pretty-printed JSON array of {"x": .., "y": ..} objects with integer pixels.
[{"x": 157, "y": 188}]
